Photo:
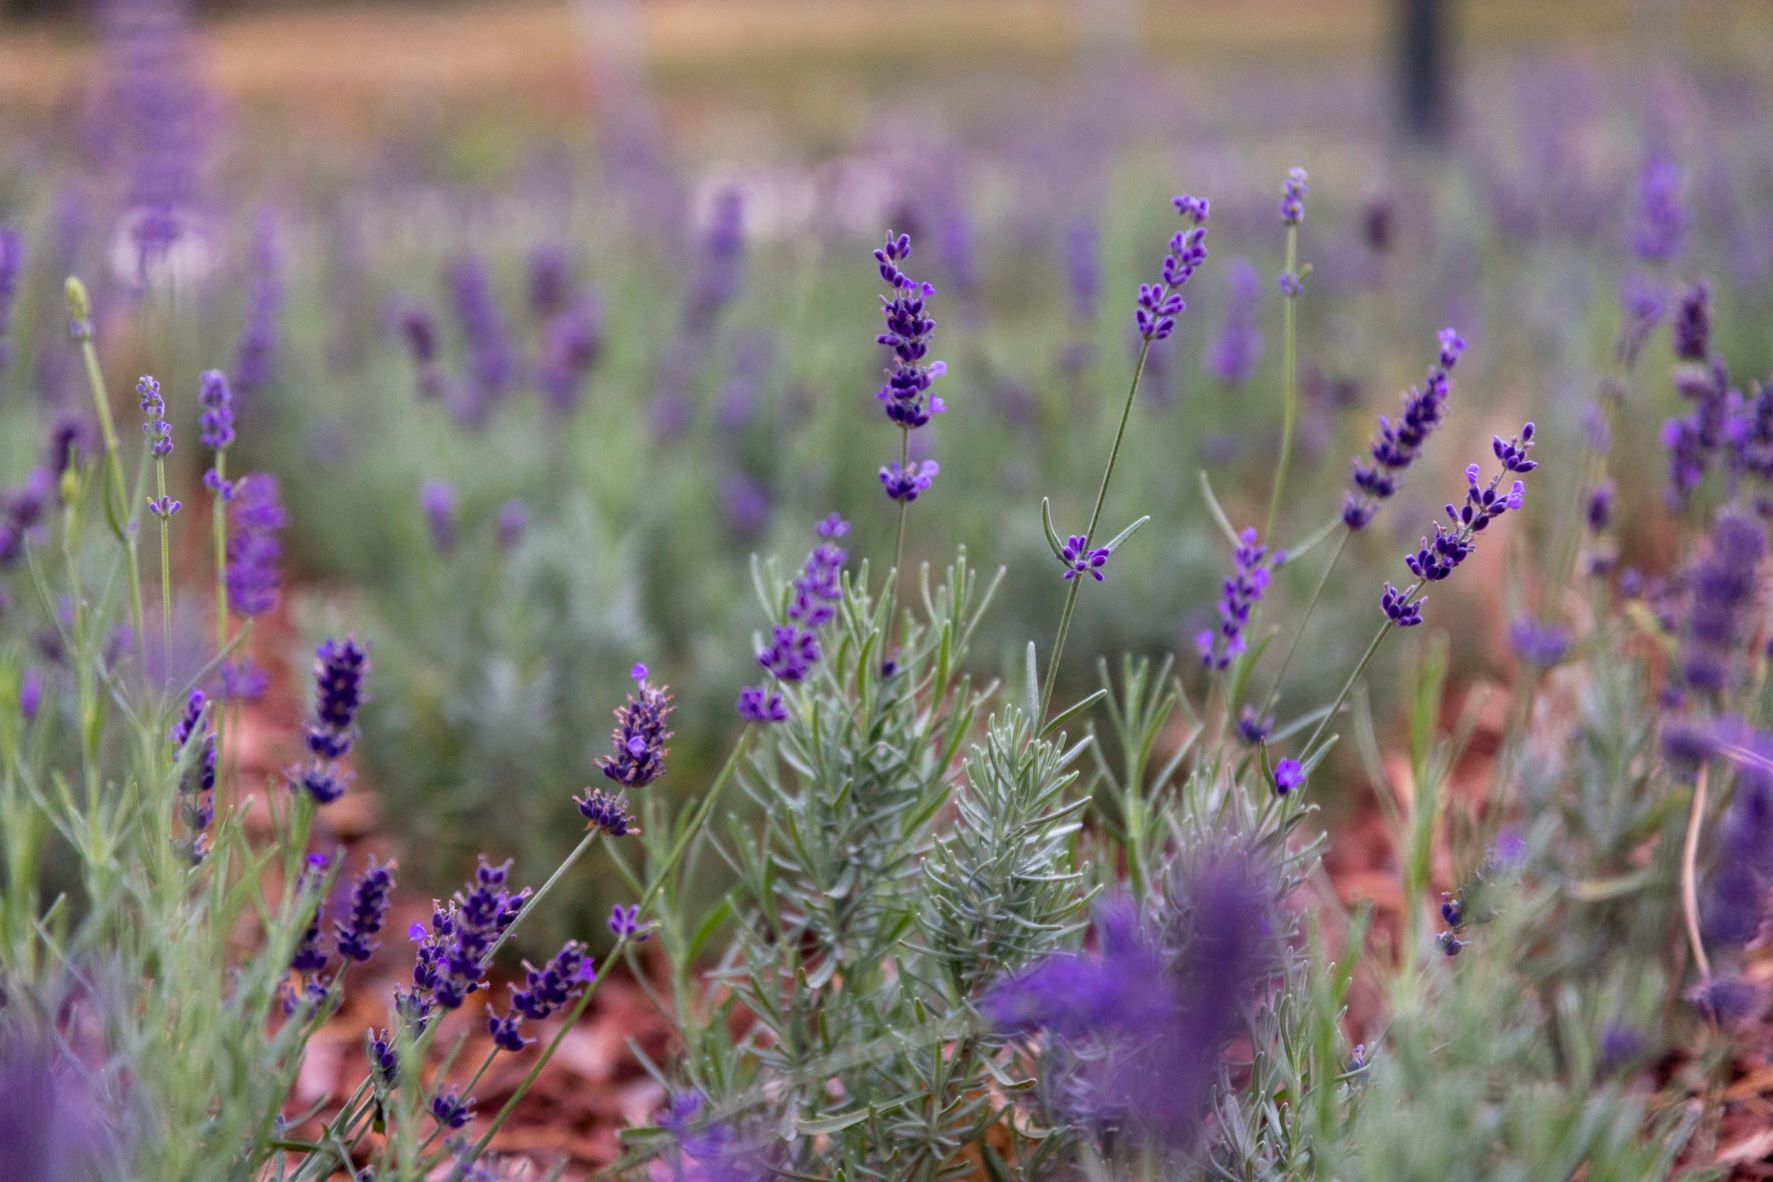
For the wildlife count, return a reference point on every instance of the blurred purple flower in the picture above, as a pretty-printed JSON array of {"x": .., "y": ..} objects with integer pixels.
[
  {"x": 438, "y": 502},
  {"x": 550, "y": 280},
  {"x": 1253, "y": 566},
  {"x": 1538, "y": 644},
  {"x": 492, "y": 366},
  {"x": 571, "y": 343},
  {"x": 12, "y": 261},
  {"x": 256, "y": 358},
  {"x": 1725, "y": 583},
  {"x": 1234, "y": 354},
  {"x": 256, "y": 518},
  {"x": 1661, "y": 220}
]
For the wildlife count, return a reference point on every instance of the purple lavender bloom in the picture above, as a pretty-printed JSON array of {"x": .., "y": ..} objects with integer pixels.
[
  {"x": 1161, "y": 302},
  {"x": 309, "y": 957},
  {"x": 555, "y": 985},
  {"x": 254, "y": 549},
  {"x": 1253, "y": 727},
  {"x": 71, "y": 439},
  {"x": 492, "y": 366},
  {"x": 355, "y": 934},
  {"x": 905, "y": 396},
  {"x": 1691, "y": 328},
  {"x": 255, "y": 364},
  {"x": 571, "y": 343},
  {"x": 30, "y": 695},
  {"x": 450, "y": 956},
  {"x": 513, "y": 521},
  {"x": 1139, "y": 1035},
  {"x": 1724, "y": 589},
  {"x": 638, "y": 746},
  {"x": 1234, "y": 354},
  {"x": 1742, "y": 875},
  {"x": 791, "y": 653},
  {"x": 707, "y": 1150},
  {"x": 550, "y": 280},
  {"x": 197, "y": 786},
  {"x": 1080, "y": 559},
  {"x": 216, "y": 423},
  {"x": 1544, "y": 645},
  {"x": 1436, "y": 559},
  {"x": 419, "y": 331},
  {"x": 1396, "y": 445},
  {"x": 21, "y": 513},
  {"x": 625, "y": 923},
  {"x": 746, "y": 504},
  {"x": 1292, "y": 202},
  {"x": 1661, "y": 217},
  {"x": 911, "y": 481},
  {"x": 607, "y": 813},
  {"x": 242, "y": 681},
  {"x": 438, "y": 501},
  {"x": 12, "y": 261},
  {"x": 155, "y": 118},
  {"x": 1730, "y": 1001},
  {"x": 51, "y": 1113},
  {"x": 1239, "y": 595},
  {"x": 451, "y": 1109},
  {"x": 1288, "y": 775},
  {"x": 722, "y": 256},
  {"x": 378, "y": 1048},
  {"x": 1599, "y": 507},
  {"x": 156, "y": 428},
  {"x": 761, "y": 704},
  {"x": 1642, "y": 304},
  {"x": 340, "y": 668}
]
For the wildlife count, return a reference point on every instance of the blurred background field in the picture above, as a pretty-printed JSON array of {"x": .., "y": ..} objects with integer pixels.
[{"x": 700, "y": 182}]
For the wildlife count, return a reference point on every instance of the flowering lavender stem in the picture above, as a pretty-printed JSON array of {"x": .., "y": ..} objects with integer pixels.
[
  {"x": 1126, "y": 412},
  {"x": 1690, "y": 877},
  {"x": 696, "y": 821},
  {"x": 1289, "y": 339}
]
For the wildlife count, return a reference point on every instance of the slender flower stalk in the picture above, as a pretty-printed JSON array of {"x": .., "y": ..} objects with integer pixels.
[
  {"x": 1437, "y": 558},
  {"x": 1292, "y": 285},
  {"x": 163, "y": 507},
  {"x": 1155, "y": 318}
]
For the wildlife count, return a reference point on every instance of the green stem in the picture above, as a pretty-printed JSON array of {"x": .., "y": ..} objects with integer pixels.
[
  {"x": 1126, "y": 412},
  {"x": 218, "y": 516},
  {"x": 559, "y": 873},
  {"x": 899, "y": 546},
  {"x": 1289, "y": 339},
  {"x": 118, "y": 503},
  {"x": 1299, "y": 629},
  {"x": 165, "y": 568},
  {"x": 1348, "y": 686}
]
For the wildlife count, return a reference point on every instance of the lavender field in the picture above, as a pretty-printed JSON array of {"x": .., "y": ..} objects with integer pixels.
[{"x": 1182, "y": 590}]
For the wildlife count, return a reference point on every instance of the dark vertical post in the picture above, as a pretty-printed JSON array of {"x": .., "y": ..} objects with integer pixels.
[{"x": 1423, "y": 89}]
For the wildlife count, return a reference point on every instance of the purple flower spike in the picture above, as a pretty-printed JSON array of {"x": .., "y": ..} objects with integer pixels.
[
  {"x": 637, "y": 757},
  {"x": 1662, "y": 217},
  {"x": 625, "y": 923},
  {"x": 1293, "y": 190},
  {"x": 910, "y": 482},
  {"x": 908, "y": 329},
  {"x": 1240, "y": 594},
  {"x": 1692, "y": 323},
  {"x": 356, "y": 933},
  {"x": 1288, "y": 775},
  {"x": 451, "y": 1109},
  {"x": 156, "y": 428},
  {"x": 1160, "y": 303},
  {"x": 438, "y": 500},
  {"x": 762, "y": 705},
  {"x": 555, "y": 985},
  {"x": 1079, "y": 559},
  {"x": 1397, "y": 444},
  {"x": 257, "y": 518},
  {"x": 606, "y": 813},
  {"x": 12, "y": 261},
  {"x": 340, "y": 667}
]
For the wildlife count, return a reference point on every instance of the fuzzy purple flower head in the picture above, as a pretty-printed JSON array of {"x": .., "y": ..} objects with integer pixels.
[
  {"x": 1160, "y": 303},
  {"x": 638, "y": 750}
]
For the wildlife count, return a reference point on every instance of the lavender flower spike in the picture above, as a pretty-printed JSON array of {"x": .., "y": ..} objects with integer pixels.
[
  {"x": 1396, "y": 445},
  {"x": 638, "y": 755},
  {"x": 12, "y": 261},
  {"x": 257, "y": 517},
  {"x": 1241, "y": 593},
  {"x": 1437, "y": 558},
  {"x": 1161, "y": 302},
  {"x": 1293, "y": 190},
  {"x": 1080, "y": 559}
]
